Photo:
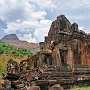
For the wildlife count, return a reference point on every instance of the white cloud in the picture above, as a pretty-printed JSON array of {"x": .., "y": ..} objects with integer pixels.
[
  {"x": 44, "y": 3},
  {"x": 31, "y": 19},
  {"x": 31, "y": 30},
  {"x": 27, "y": 19},
  {"x": 85, "y": 29},
  {"x": 38, "y": 15}
]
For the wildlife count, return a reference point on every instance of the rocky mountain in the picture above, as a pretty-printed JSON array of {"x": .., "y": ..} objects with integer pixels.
[{"x": 12, "y": 39}]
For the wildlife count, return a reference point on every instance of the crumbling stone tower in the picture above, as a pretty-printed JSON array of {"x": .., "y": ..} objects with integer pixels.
[{"x": 67, "y": 43}]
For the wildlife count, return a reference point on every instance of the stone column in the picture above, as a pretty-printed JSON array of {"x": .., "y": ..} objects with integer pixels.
[
  {"x": 56, "y": 57},
  {"x": 41, "y": 57},
  {"x": 70, "y": 59}
]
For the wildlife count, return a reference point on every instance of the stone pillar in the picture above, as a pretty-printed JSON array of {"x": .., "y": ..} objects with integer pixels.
[
  {"x": 70, "y": 59},
  {"x": 56, "y": 57},
  {"x": 41, "y": 57},
  {"x": 56, "y": 87}
]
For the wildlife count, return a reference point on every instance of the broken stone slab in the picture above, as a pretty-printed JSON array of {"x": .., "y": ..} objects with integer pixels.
[
  {"x": 56, "y": 87},
  {"x": 21, "y": 88}
]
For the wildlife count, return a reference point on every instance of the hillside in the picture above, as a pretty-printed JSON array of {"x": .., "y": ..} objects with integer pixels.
[
  {"x": 12, "y": 39},
  {"x": 8, "y": 49}
]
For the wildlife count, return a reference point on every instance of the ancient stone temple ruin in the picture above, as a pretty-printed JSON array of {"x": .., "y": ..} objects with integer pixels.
[
  {"x": 67, "y": 43},
  {"x": 63, "y": 60}
]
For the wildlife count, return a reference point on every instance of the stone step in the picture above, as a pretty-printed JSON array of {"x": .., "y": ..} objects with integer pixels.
[
  {"x": 82, "y": 69},
  {"x": 58, "y": 68},
  {"x": 57, "y": 74},
  {"x": 82, "y": 66},
  {"x": 59, "y": 78},
  {"x": 81, "y": 72},
  {"x": 65, "y": 81}
]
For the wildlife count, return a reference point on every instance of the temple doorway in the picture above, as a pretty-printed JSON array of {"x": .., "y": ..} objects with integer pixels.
[
  {"x": 47, "y": 59},
  {"x": 44, "y": 87},
  {"x": 63, "y": 56}
]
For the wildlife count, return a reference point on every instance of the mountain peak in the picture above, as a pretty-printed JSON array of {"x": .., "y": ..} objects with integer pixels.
[
  {"x": 10, "y": 37},
  {"x": 13, "y": 40}
]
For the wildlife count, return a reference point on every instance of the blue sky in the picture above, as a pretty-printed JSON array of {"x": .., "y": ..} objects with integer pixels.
[{"x": 31, "y": 19}]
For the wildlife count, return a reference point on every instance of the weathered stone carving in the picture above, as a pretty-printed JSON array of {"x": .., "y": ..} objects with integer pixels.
[{"x": 12, "y": 67}]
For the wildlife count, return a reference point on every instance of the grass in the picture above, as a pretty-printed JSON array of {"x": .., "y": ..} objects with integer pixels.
[
  {"x": 80, "y": 88},
  {"x": 8, "y": 49}
]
